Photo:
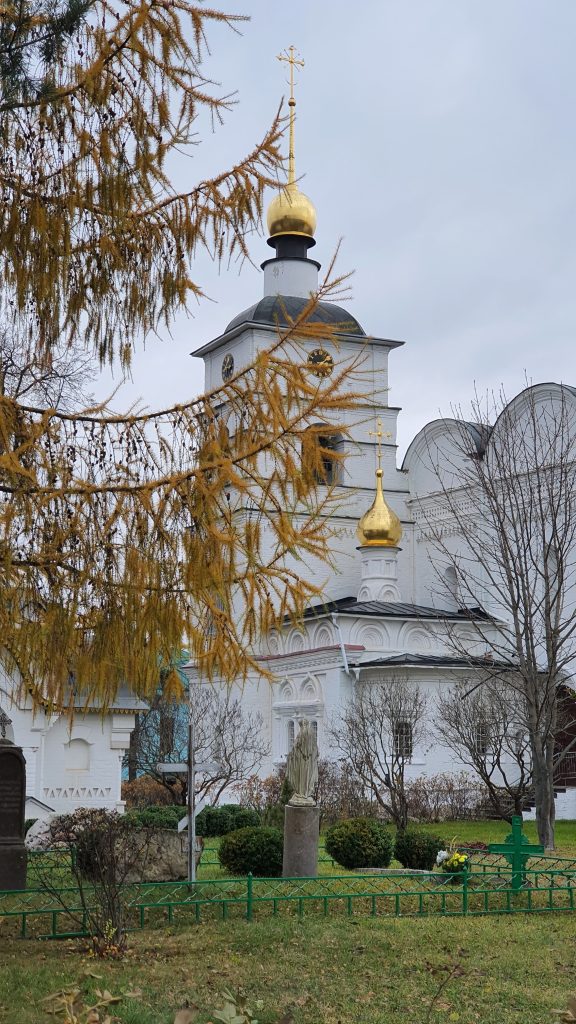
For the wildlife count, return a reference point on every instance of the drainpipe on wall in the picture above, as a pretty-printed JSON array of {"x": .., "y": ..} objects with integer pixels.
[{"x": 334, "y": 618}]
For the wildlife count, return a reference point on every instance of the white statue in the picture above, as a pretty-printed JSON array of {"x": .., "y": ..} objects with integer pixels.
[{"x": 302, "y": 766}]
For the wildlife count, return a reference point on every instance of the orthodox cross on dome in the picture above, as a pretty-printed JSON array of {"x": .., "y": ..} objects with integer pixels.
[
  {"x": 289, "y": 56},
  {"x": 379, "y": 434}
]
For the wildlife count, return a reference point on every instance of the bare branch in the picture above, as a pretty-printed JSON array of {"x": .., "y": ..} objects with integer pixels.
[
  {"x": 502, "y": 522},
  {"x": 376, "y": 734}
]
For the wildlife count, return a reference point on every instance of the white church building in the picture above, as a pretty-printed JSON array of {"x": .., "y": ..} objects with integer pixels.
[
  {"x": 385, "y": 612},
  {"x": 69, "y": 763}
]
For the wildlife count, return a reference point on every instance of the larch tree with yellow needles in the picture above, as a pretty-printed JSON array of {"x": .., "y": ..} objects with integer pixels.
[
  {"x": 95, "y": 95},
  {"x": 124, "y": 538}
]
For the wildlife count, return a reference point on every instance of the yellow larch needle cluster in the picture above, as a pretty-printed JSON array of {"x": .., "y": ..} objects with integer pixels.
[{"x": 126, "y": 537}]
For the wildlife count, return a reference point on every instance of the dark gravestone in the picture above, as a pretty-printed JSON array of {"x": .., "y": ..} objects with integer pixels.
[{"x": 12, "y": 800}]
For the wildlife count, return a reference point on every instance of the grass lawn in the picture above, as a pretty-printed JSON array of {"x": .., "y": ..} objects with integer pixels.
[
  {"x": 459, "y": 832},
  {"x": 496, "y": 831},
  {"x": 339, "y": 971}
]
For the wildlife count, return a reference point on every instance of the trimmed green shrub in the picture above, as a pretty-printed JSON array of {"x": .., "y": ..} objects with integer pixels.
[
  {"x": 360, "y": 843},
  {"x": 210, "y": 821},
  {"x": 245, "y": 817},
  {"x": 219, "y": 821},
  {"x": 158, "y": 816},
  {"x": 258, "y": 850},
  {"x": 416, "y": 849}
]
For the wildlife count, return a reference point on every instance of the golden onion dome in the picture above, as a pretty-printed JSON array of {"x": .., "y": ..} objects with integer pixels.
[
  {"x": 291, "y": 213},
  {"x": 379, "y": 526}
]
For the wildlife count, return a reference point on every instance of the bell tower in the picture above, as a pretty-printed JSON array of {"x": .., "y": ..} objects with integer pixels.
[{"x": 290, "y": 277}]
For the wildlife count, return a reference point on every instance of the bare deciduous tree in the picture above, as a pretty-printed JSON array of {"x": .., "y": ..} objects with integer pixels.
[
  {"x": 104, "y": 849},
  {"x": 226, "y": 737},
  {"x": 485, "y": 728},
  {"x": 505, "y": 526},
  {"x": 377, "y": 733},
  {"x": 59, "y": 380}
]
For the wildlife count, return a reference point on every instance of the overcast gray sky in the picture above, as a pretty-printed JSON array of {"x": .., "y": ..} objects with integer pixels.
[{"x": 436, "y": 137}]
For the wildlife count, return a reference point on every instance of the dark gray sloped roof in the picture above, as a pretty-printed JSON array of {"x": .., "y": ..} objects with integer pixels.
[
  {"x": 434, "y": 661},
  {"x": 391, "y": 609},
  {"x": 274, "y": 309}
]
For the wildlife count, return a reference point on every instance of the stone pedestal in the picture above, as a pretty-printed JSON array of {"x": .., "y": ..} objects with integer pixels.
[
  {"x": 301, "y": 831},
  {"x": 12, "y": 799}
]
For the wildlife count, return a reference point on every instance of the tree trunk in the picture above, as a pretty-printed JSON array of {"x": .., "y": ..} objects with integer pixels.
[
  {"x": 133, "y": 751},
  {"x": 400, "y": 806},
  {"x": 544, "y": 799}
]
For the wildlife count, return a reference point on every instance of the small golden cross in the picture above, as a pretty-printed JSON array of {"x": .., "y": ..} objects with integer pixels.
[
  {"x": 379, "y": 434},
  {"x": 289, "y": 57}
]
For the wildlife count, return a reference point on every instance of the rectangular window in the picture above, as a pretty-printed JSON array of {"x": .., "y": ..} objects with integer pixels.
[
  {"x": 403, "y": 740},
  {"x": 482, "y": 738},
  {"x": 329, "y": 471},
  {"x": 319, "y": 457}
]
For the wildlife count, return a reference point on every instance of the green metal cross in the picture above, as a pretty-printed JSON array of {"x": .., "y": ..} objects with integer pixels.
[{"x": 517, "y": 851}]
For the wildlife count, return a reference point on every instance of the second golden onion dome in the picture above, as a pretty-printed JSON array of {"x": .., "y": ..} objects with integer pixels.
[{"x": 380, "y": 526}]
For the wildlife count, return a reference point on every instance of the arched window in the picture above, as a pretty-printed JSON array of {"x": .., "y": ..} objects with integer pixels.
[
  {"x": 77, "y": 756},
  {"x": 292, "y": 731},
  {"x": 320, "y": 455}
]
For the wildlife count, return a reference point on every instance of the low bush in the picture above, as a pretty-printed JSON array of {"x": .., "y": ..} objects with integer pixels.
[
  {"x": 257, "y": 850},
  {"x": 444, "y": 797},
  {"x": 338, "y": 794},
  {"x": 417, "y": 850},
  {"x": 148, "y": 792},
  {"x": 104, "y": 849},
  {"x": 156, "y": 817},
  {"x": 360, "y": 843},
  {"x": 219, "y": 821}
]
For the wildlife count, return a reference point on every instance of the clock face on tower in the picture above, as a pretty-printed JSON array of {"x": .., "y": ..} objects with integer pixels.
[
  {"x": 227, "y": 366},
  {"x": 320, "y": 362}
]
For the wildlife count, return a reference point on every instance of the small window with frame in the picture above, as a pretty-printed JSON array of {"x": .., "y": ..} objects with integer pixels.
[
  {"x": 482, "y": 739},
  {"x": 403, "y": 744}
]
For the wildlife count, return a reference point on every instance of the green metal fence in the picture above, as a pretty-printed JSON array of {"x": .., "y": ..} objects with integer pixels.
[{"x": 484, "y": 889}]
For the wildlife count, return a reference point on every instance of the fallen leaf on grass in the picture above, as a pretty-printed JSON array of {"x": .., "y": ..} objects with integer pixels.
[
  {"x": 136, "y": 993},
  {"x": 91, "y": 974},
  {"x": 186, "y": 1016},
  {"x": 300, "y": 1001},
  {"x": 107, "y": 996},
  {"x": 568, "y": 1015}
]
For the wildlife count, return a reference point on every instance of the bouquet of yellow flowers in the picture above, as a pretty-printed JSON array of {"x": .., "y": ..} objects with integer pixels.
[{"x": 456, "y": 862}]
